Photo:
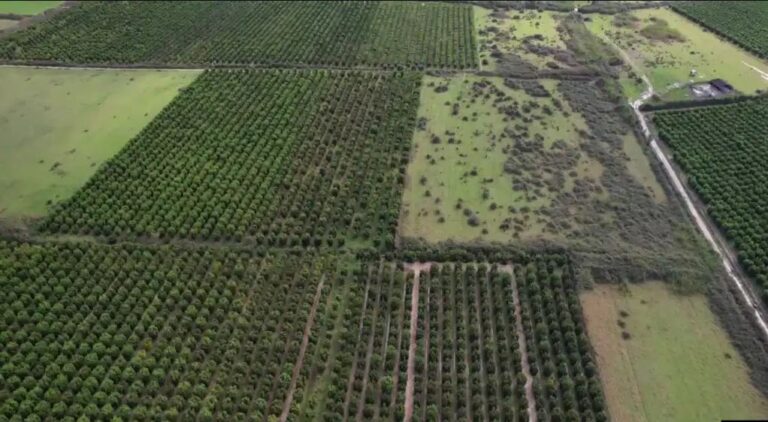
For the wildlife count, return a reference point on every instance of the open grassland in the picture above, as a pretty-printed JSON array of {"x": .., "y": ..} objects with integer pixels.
[
  {"x": 520, "y": 41},
  {"x": 388, "y": 34},
  {"x": 674, "y": 362},
  {"x": 724, "y": 152},
  {"x": 59, "y": 126},
  {"x": 277, "y": 157},
  {"x": 27, "y": 7},
  {"x": 666, "y": 47},
  {"x": 743, "y": 22}
]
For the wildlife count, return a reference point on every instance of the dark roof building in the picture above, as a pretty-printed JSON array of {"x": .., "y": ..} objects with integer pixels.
[{"x": 721, "y": 86}]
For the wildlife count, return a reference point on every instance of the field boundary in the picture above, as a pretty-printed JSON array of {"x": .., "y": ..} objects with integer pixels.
[
  {"x": 433, "y": 71},
  {"x": 204, "y": 66},
  {"x": 692, "y": 104},
  {"x": 716, "y": 31}
]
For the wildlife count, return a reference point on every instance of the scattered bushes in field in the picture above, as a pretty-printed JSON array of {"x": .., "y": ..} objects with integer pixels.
[
  {"x": 723, "y": 150},
  {"x": 279, "y": 158},
  {"x": 267, "y": 33}
]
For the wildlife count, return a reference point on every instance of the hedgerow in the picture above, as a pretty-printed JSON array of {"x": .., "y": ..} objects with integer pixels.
[
  {"x": 277, "y": 158},
  {"x": 723, "y": 150},
  {"x": 266, "y": 33},
  {"x": 740, "y": 21}
]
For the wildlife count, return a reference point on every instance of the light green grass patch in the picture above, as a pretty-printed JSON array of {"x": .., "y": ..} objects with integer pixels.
[
  {"x": 507, "y": 29},
  {"x": 677, "y": 365},
  {"x": 470, "y": 159},
  {"x": 59, "y": 125},
  {"x": 669, "y": 63},
  {"x": 27, "y": 7},
  {"x": 640, "y": 168},
  {"x": 631, "y": 87}
]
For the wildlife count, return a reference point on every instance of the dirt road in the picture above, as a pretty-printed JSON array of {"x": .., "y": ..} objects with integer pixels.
[
  {"x": 727, "y": 258},
  {"x": 523, "y": 346},
  {"x": 410, "y": 382},
  {"x": 302, "y": 351}
]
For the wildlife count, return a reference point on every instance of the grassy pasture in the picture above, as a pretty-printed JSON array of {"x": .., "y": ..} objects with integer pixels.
[
  {"x": 678, "y": 364},
  {"x": 27, "y": 7},
  {"x": 467, "y": 165},
  {"x": 59, "y": 125},
  {"x": 667, "y": 61},
  {"x": 639, "y": 167}
]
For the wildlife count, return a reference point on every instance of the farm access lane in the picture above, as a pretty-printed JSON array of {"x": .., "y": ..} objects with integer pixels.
[{"x": 700, "y": 217}]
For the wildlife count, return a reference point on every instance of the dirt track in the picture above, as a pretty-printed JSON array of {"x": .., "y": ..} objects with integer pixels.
[
  {"x": 302, "y": 352},
  {"x": 762, "y": 73},
  {"x": 522, "y": 345},
  {"x": 727, "y": 257},
  {"x": 410, "y": 385}
]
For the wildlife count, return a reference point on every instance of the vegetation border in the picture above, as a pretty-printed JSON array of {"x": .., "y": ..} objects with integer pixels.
[{"x": 676, "y": 8}]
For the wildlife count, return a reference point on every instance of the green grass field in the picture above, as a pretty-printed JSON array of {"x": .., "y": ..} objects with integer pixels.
[
  {"x": 677, "y": 365},
  {"x": 669, "y": 63},
  {"x": 59, "y": 125},
  {"x": 467, "y": 165},
  {"x": 27, "y": 7}
]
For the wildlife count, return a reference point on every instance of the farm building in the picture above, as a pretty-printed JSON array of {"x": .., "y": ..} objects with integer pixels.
[{"x": 722, "y": 86}]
